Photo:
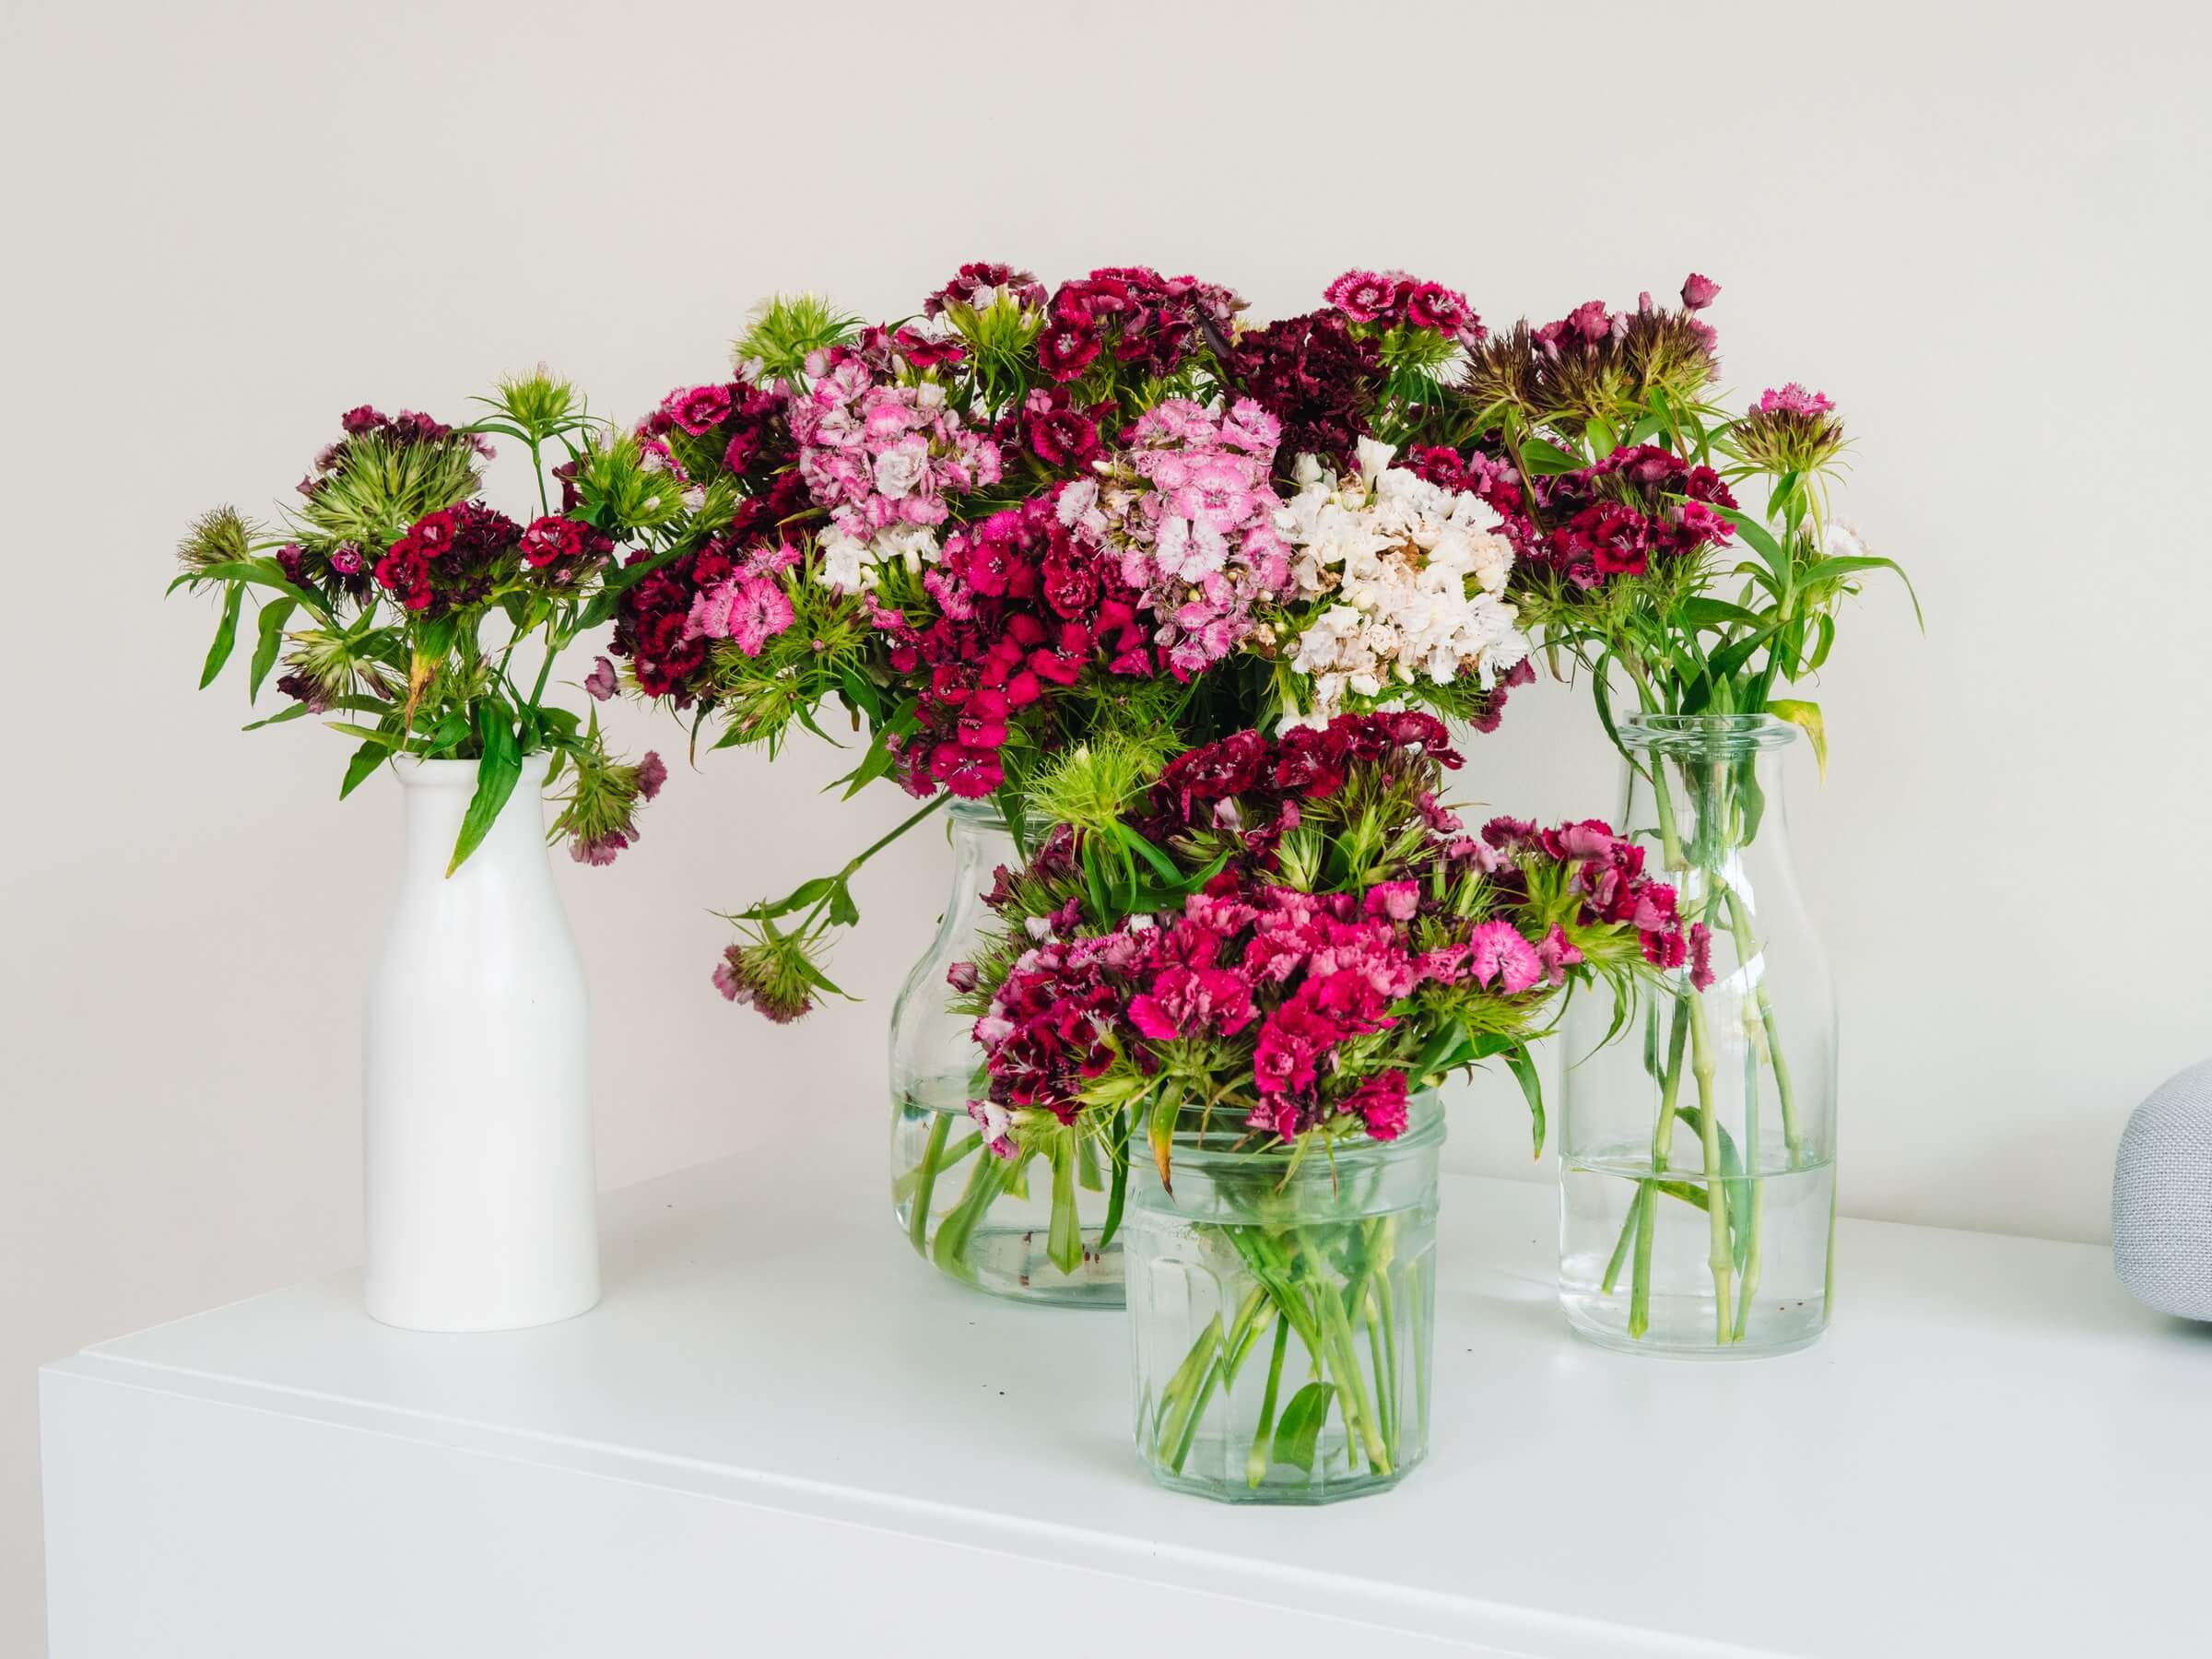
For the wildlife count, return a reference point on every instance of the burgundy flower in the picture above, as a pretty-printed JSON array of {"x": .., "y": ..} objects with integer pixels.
[
  {"x": 1317, "y": 378},
  {"x": 1065, "y": 349}
]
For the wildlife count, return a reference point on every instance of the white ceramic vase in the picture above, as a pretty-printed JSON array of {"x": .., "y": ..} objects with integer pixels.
[{"x": 476, "y": 1105}]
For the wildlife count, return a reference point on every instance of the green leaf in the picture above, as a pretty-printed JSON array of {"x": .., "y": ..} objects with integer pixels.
[
  {"x": 873, "y": 765},
  {"x": 273, "y": 616},
  {"x": 843, "y": 913},
  {"x": 1160, "y": 1134},
  {"x": 1159, "y": 861},
  {"x": 388, "y": 734},
  {"x": 1544, "y": 458},
  {"x": 262, "y": 573},
  {"x": 366, "y": 759},
  {"x": 861, "y": 692},
  {"x": 226, "y": 636},
  {"x": 1806, "y": 717},
  {"x": 1828, "y": 570},
  {"x": 806, "y": 893},
  {"x": 293, "y": 711},
  {"x": 1700, "y": 612},
  {"x": 497, "y": 769},
  {"x": 1298, "y": 1432},
  {"x": 1532, "y": 1087},
  {"x": 1761, "y": 542}
]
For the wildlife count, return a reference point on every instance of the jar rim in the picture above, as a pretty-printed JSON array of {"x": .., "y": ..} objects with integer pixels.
[
  {"x": 1424, "y": 1130},
  {"x": 1708, "y": 734}
]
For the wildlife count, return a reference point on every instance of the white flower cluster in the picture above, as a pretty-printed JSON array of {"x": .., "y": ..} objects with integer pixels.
[{"x": 1413, "y": 574}]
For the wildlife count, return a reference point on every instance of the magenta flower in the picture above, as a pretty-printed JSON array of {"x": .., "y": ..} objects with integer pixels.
[
  {"x": 1380, "y": 1103},
  {"x": 1792, "y": 399},
  {"x": 653, "y": 772},
  {"x": 1697, "y": 292},
  {"x": 699, "y": 408}
]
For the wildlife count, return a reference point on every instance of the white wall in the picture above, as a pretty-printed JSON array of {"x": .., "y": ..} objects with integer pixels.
[{"x": 1982, "y": 229}]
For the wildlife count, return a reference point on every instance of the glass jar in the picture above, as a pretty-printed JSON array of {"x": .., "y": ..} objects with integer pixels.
[
  {"x": 1038, "y": 1228},
  {"x": 1282, "y": 1320},
  {"x": 1697, "y": 1155}
]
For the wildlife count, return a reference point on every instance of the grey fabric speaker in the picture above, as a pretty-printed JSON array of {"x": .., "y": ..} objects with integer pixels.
[{"x": 2162, "y": 1197}]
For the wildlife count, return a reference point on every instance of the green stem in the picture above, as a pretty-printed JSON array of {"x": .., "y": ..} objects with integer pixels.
[
  {"x": 984, "y": 1186},
  {"x": 1722, "y": 1259},
  {"x": 1749, "y": 1230},
  {"x": 1263, "y": 1444},
  {"x": 1351, "y": 1386},
  {"x": 1739, "y": 925},
  {"x": 1619, "y": 1258},
  {"x": 1647, "y": 1200},
  {"x": 906, "y": 1185},
  {"x": 917, "y": 1221},
  {"x": 1064, "y": 1243}
]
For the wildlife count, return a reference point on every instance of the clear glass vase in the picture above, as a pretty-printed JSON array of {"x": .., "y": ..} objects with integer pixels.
[
  {"x": 1282, "y": 1322},
  {"x": 1697, "y": 1146},
  {"x": 1038, "y": 1227}
]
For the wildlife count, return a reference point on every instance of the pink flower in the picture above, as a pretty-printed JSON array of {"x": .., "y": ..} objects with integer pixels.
[
  {"x": 1363, "y": 296},
  {"x": 1697, "y": 292},
  {"x": 1498, "y": 952},
  {"x": 995, "y": 1122},
  {"x": 601, "y": 682},
  {"x": 1558, "y": 953},
  {"x": 1792, "y": 399},
  {"x": 749, "y": 610},
  {"x": 1393, "y": 900},
  {"x": 1701, "y": 955},
  {"x": 653, "y": 772}
]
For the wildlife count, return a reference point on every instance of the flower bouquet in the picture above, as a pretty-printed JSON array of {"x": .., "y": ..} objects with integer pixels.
[
  {"x": 1637, "y": 565},
  {"x": 376, "y": 594},
  {"x": 1257, "y": 969},
  {"x": 1022, "y": 537},
  {"x": 405, "y": 613}
]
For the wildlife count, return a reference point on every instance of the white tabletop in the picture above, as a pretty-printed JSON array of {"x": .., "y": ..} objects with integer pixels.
[{"x": 1992, "y": 1451}]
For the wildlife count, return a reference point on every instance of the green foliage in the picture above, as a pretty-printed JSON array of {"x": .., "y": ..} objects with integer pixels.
[
  {"x": 383, "y": 486},
  {"x": 784, "y": 332},
  {"x": 535, "y": 407},
  {"x": 410, "y": 683},
  {"x": 218, "y": 536}
]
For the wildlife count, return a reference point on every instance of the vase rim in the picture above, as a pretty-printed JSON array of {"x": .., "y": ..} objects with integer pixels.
[
  {"x": 1424, "y": 1129},
  {"x": 416, "y": 772},
  {"x": 1708, "y": 734}
]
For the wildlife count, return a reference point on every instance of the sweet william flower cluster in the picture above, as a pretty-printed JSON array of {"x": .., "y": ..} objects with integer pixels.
[
  {"x": 1338, "y": 940},
  {"x": 399, "y": 603}
]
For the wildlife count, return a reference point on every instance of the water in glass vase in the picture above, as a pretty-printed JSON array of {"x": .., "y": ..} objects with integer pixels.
[
  {"x": 1773, "y": 1240},
  {"x": 1036, "y": 1227},
  {"x": 1039, "y": 1229}
]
